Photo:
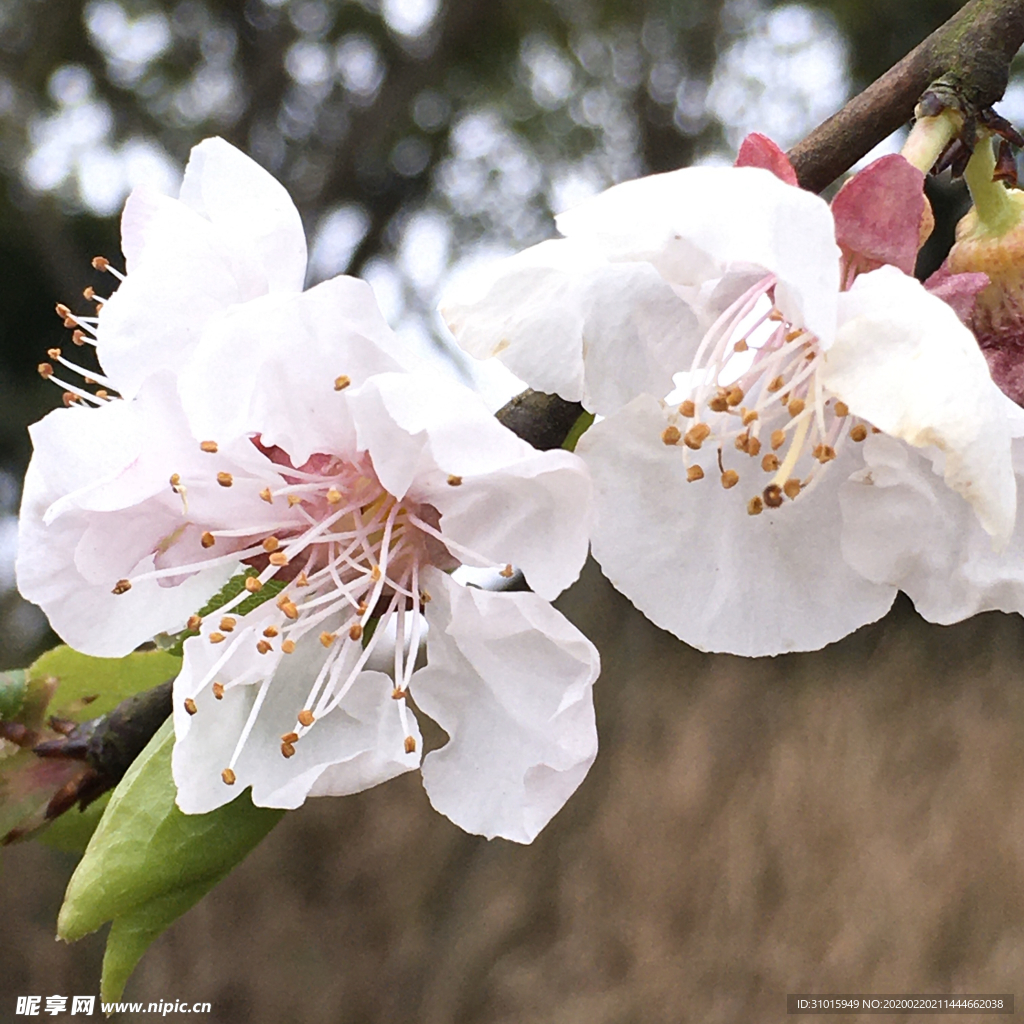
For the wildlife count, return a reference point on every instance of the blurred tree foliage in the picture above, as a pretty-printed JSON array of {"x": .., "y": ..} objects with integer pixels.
[{"x": 409, "y": 132}]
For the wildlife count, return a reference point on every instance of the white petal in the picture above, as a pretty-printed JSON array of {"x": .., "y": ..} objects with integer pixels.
[
  {"x": 357, "y": 745},
  {"x": 903, "y": 360},
  {"x": 695, "y": 563},
  {"x": 284, "y": 354},
  {"x": 252, "y": 211},
  {"x": 905, "y": 528},
  {"x": 510, "y": 680},
  {"x": 514, "y": 504},
  {"x": 568, "y": 322},
  {"x": 179, "y": 277},
  {"x": 694, "y": 223}
]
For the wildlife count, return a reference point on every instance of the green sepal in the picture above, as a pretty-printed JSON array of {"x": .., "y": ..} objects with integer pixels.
[
  {"x": 147, "y": 862},
  {"x": 13, "y": 686},
  {"x": 577, "y": 430}
]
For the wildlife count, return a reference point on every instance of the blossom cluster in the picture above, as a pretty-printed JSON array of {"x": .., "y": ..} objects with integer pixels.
[{"x": 790, "y": 429}]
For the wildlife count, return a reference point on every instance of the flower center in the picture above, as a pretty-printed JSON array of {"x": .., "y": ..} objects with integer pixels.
[{"x": 755, "y": 391}]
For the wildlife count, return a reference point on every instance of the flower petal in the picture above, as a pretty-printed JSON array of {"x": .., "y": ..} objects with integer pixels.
[
  {"x": 510, "y": 680},
  {"x": 512, "y": 504},
  {"x": 568, "y": 322},
  {"x": 357, "y": 745},
  {"x": 693, "y": 223},
  {"x": 903, "y": 360},
  {"x": 251, "y": 211},
  {"x": 905, "y": 528},
  {"x": 757, "y": 150},
  {"x": 286, "y": 354},
  {"x": 690, "y": 557}
]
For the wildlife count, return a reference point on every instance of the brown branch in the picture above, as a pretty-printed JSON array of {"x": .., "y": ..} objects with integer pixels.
[{"x": 971, "y": 52}]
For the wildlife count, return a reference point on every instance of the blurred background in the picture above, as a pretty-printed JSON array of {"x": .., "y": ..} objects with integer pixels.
[{"x": 846, "y": 819}]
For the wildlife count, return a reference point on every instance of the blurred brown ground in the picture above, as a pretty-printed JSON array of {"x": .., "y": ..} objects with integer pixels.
[{"x": 849, "y": 820}]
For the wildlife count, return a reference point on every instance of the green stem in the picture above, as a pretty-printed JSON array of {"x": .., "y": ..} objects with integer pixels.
[
  {"x": 997, "y": 212},
  {"x": 929, "y": 137}
]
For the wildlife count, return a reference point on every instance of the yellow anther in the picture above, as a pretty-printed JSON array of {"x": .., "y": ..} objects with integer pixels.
[
  {"x": 290, "y": 610},
  {"x": 190, "y": 706},
  {"x": 794, "y": 334},
  {"x": 288, "y": 646},
  {"x": 218, "y": 690},
  {"x": 122, "y": 587},
  {"x": 824, "y": 453},
  {"x": 45, "y": 370},
  {"x": 755, "y": 506},
  {"x": 293, "y": 500},
  {"x": 102, "y": 393},
  {"x": 734, "y": 396},
  {"x": 62, "y": 311},
  {"x": 687, "y": 408},
  {"x": 100, "y": 262},
  {"x": 302, "y": 580},
  {"x": 398, "y": 693},
  {"x": 217, "y": 638},
  {"x": 342, "y": 382},
  {"x": 841, "y": 409},
  {"x": 671, "y": 435},
  {"x": 791, "y": 488},
  {"x": 795, "y": 407},
  {"x": 228, "y": 623},
  {"x": 53, "y": 353},
  {"x": 194, "y": 622},
  {"x": 334, "y": 496},
  {"x": 776, "y": 315},
  {"x": 287, "y": 750},
  {"x": 228, "y": 776},
  {"x": 264, "y": 646},
  {"x": 175, "y": 481},
  {"x": 694, "y": 473},
  {"x": 508, "y": 572},
  {"x": 454, "y": 481},
  {"x": 741, "y": 345},
  {"x": 253, "y": 585},
  {"x": 271, "y": 544},
  {"x": 730, "y": 478},
  {"x": 773, "y": 496},
  {"x": 859, "y": 432},
  {"x": 719, "y": 403},
  {"x": 207, "y": 539},
  {"x": 271, "y": 631},
  {"x": 696, "y": 435},
  {"x": 69, "y": 399},
  {"x": 355, "y": 631},
  {"x": 78, "y": 336},
  {"x": 410, "y": 744},
  {"x": 208, "y": 446},
  {"x": 362, "y": 608},
  {"x": 778, "y": 439},
  {"x": 267, "y": 496},
  {"x": 770, "y": 463},
  {"x": 749, "y": 417},
  {"x": 742, "y": 440},
  {"x": 306, "y": 718},
  {"x": 225, "y": 479},
  {"x": 375, "y": 573},
  {"x": 278, "y": 558},
  {"x": 776, "y": 384},
  {"x": 290, "y": 737},
  {"x": 328, "y": 638},
  {"x": 753, "y": 447}
]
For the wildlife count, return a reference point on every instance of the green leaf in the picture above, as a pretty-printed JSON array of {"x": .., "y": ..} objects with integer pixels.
[
  {"x": 147, "y": 863},
  {"x": 71, "y": 831},
  {"x": 12, "y": 692},
  {"x": 88, "y": 687}
]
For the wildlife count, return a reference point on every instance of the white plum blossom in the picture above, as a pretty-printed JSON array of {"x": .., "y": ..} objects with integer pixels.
[
  {"x": 284, "y": 448},
  {"x": 832, "y": 437}
]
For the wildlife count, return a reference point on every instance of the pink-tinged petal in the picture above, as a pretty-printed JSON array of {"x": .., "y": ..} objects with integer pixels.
[
  {"x": 957, "y": 290},
  {"x": 510, "y": 680},
  {"x": 510, "y": 504},
  {"x": 357, "y": 745},
  {"x": 251, "y": 212},
  {"x": 758, "y": 150},
  {"x": 879, "y": 214}
]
